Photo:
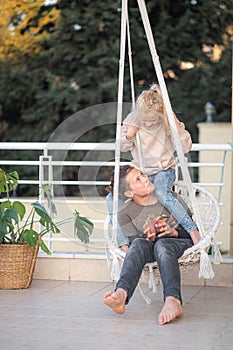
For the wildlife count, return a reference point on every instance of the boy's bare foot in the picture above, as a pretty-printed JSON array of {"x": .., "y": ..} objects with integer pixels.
[
  {"x": 172, "y": 309},
  {"x": 195, "y": 235},
  {"x": 116, "y": 300}
]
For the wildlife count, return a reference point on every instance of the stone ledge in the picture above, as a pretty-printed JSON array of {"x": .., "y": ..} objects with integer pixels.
[{"x": 91, "y": 268}]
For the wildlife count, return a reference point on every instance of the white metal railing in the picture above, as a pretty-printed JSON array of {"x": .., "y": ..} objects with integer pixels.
[{"x": 46, "y": 161}]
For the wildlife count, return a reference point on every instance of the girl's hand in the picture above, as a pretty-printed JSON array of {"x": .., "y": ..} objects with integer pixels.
[
  {"x": 125, "y": 247},
  {"x": 131, "y": 132}
]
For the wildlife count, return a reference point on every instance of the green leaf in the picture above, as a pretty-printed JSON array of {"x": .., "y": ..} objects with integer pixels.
[
  {"x": 30, "y": 237},
  {"x": 42, "y": 212},
  {"x": 47, "y": 188},
  {"x": 6, "y": 204},
  {"x": 11, "y": 214},
  {"x": 8, "y": 181},
  {"x": 2, "y": 235},
  {"x": 49, "y": 226},
  {"x": 1, "y": 213},
  {"x": 44, "y": 247},
  {"x": 3, "y": 229},
  {"x": 83, "y": 227},
  {"x": 20, "y": 208},
  {"x": 45, "y": 218}
]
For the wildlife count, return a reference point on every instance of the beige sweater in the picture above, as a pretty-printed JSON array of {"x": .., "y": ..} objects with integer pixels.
[{"x": 157, "y": 148}]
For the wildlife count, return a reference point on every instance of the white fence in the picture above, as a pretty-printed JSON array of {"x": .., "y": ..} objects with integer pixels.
[{"x": 50, "y": 162}]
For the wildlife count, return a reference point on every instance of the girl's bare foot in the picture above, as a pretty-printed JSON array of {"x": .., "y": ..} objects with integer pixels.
[
  {"x": 116, "y": 300},
  {"x": 172, "y": 309}
]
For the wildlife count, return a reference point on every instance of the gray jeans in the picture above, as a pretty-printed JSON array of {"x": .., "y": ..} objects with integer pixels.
[{"x": 166, "y": 251}]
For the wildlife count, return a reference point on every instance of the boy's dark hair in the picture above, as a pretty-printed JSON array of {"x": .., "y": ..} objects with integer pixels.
[{"x": 123, "y": 184}]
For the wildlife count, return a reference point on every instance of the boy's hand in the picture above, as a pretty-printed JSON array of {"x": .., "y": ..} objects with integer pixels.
[
  {"x": 159, "y": 227},
  {"x": 149, "y": 229},
  {"x": 163, "y": 229}
]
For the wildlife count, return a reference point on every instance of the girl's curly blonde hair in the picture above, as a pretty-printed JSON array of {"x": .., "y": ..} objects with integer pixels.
[{"x": 152, "y": 101}]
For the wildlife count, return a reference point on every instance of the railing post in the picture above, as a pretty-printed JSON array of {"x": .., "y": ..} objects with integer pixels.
[
  {"x": 46, "y": 178},
  {"x": 231, "y": 204}
]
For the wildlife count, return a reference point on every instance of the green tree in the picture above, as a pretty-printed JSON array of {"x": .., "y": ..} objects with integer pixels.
[
  {"x": 193, "y": 40},
  {"x": 56, "y": 60}
]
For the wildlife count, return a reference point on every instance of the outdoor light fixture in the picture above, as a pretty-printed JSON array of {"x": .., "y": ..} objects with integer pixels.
[{"x": 209, "y": 110}]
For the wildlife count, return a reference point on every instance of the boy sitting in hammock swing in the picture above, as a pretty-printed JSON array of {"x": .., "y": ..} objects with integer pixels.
[{"x": 164, "y": 243}]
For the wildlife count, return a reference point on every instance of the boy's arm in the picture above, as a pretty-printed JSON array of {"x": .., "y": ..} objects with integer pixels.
[{"x": 126, "y": 224}]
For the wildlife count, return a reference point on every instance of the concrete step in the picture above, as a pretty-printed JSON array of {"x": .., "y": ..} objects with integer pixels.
[{"x": 94, "y": 268}]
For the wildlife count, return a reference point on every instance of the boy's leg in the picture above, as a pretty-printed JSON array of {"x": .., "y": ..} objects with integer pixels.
[
  {"x": 116, "y": 300},
  {"x": 167, "y": 252},
  {"x": 140, "y": 253}
]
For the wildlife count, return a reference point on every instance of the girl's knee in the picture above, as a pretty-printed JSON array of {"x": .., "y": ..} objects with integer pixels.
[{"x": 163, "y": 195}]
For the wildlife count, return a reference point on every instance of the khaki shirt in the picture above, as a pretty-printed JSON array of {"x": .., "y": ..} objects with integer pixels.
[
  {"x": 157, "y": 147},
  {"x": 133, "y": 216}
]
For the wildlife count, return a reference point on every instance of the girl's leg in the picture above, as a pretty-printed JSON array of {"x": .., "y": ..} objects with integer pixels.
[
  {"x": 121, "y": 238},
  {"x": 163, "y": 184}
]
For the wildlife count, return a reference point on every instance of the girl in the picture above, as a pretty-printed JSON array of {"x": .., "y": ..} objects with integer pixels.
[{"x": 155, "y": 158}]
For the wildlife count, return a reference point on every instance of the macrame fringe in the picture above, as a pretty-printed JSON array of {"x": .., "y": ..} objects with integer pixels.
[
  {"x": 115, "y": 268},
  {"x": 203, "y": 244},
  {"x": 145, "y": 297},
  {"x": 216, "y": 253},
  {"x": 151, "y": 279},
  {"x": 206, "y": 270}
]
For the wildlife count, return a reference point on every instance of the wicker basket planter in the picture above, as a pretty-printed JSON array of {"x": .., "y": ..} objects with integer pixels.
[
  {"x": 17, "y": 261},
  {"x": 17, "y": 265}
]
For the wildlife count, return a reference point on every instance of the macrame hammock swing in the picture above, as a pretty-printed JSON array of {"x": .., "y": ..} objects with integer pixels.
[{"x": 199, "y": 200}]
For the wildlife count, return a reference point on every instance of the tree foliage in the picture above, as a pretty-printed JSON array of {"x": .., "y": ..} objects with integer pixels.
[
  {"x": 24, "y": 25},
  {"x": 60, "y": 58}
]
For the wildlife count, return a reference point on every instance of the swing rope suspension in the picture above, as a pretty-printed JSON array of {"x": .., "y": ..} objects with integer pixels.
[
  {"x": 177, "y": 142},
  {"x": 125, "y": 30}
]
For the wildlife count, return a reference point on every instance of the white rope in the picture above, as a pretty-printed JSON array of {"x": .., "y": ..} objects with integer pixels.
[
  {"x": 206, "y": 270},
  {"x": 119, "y": 116},
  {"x": 130, "y": 64},
  {"x": 201, "y": 248},
  {"x": 133, "y": 92},
  {"x": 167, "y": 104}
]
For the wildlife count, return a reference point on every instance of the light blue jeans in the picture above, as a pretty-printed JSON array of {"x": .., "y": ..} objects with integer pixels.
[
  {"x": 163, "y": 182},
  {"x": 121, "y": 238},
  {"x": 166, "y": 251}
]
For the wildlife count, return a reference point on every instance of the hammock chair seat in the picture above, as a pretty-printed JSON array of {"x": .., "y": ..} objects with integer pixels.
[{"x": 210, "y": 215}]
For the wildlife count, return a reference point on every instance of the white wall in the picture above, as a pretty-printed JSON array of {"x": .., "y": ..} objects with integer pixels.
[{"x": 214, "y": 133}]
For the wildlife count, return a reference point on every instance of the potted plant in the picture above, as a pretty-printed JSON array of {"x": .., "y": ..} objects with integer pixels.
[{"x": 22, "y": 234}]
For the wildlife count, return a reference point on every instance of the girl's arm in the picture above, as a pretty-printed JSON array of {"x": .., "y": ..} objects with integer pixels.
[
  {"x": 128, "y": 132},
  {"x": 121, "y": 238},
  {"x": 184, "y": 135}
]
